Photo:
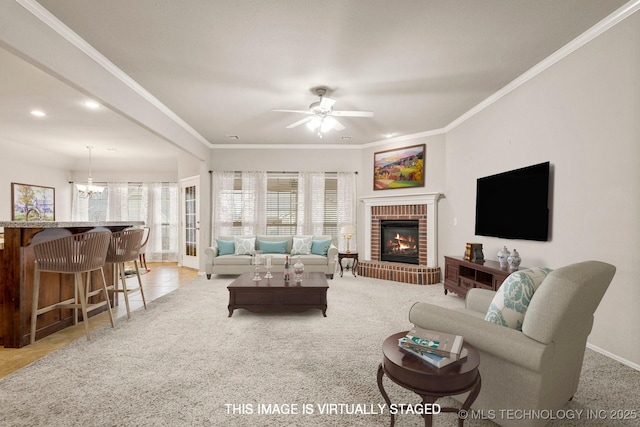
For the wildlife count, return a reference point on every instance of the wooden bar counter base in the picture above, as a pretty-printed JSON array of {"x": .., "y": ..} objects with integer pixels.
[{"x": 16, "y": 278}]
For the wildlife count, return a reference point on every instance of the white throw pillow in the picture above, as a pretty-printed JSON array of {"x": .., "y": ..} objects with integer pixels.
[
  {"x": 245, "y": 246},
  {"x": 512, "y": 299},
  {"x": 301, "y": 245}
]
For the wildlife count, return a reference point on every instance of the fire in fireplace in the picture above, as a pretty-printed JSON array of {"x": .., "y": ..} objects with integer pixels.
[{"x": 399, "y": 241}]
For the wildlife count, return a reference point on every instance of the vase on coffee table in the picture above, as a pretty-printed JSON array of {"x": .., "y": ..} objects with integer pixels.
[
  {"x": 267, "y": 265},
  {"x": 257, "y": 260},
  {"x": 298, "y": 269}
]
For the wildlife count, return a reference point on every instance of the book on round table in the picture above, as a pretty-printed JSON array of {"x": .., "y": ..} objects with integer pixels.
[
  {"x": 440, "y": 343},
  {"x": 430, "y": 358}
]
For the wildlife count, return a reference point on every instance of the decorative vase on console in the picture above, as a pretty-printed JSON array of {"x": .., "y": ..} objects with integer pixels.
[
  {"x": 503, "y": 256},
  {"x": 298, "y": 269},
  {"x": 514, "y": 260}
]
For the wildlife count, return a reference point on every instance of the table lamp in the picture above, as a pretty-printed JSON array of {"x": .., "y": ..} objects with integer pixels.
[{"x": 347, "y": 231}]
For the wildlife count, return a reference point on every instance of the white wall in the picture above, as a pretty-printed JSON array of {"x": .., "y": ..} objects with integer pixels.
[
  {"x": 582, "y": 116},
  {"x": 312, "y": 159},
  {"x": 18, "y": 167}
]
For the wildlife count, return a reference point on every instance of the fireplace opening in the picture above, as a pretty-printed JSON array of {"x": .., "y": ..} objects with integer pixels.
[{"x": 399, "y": 241}]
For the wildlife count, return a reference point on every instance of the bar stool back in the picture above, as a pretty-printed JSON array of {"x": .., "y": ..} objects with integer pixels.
[
  {"x": 75, "y": 254},
  {"x": 125, "y": 247},
  {"x": 143, "y": 248}
]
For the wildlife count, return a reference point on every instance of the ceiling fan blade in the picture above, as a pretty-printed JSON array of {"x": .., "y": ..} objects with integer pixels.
[
  {"x": 352, "y": 113},
  {"x": 293, "y": 111},
  {"x": 326, "y": 103},
  {"x": 338, "y": 126},
  {"x": 299, "y": 122}
]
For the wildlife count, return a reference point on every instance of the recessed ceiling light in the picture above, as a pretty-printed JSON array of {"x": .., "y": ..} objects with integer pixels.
[
  {"x": 38, "y": 113},
  {"x": 388, "y": 134},
  {"x": 92, "y": 104},
  {"x": 234, "y": 137}
]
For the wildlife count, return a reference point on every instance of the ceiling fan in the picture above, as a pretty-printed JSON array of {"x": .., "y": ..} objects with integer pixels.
[{"x": 322, "y": 116}]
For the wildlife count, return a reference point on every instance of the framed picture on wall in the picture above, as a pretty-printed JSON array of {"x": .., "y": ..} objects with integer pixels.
[
  {"x": 32, "y": 202},
  {"x": 399, "y": 168}
]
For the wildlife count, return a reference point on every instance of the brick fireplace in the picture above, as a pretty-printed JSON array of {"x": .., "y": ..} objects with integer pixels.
[{"x": 421, "y": 208}]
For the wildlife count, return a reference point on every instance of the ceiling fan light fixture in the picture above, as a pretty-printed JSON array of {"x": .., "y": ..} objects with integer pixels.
[
  {"x": 88, "y": 191},
  {"x": 327, "y": 123},
  {"x": 314, "y": 123}
]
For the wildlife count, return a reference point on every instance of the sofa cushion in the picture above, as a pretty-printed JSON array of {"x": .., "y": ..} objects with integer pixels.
[
  {"x": 512, "y": 299},
  {"x": 245, "y": 245},
  {"x": 320, "y": 247},
  {"x": 310, "y": 259},
  {"x": 273, "y": 247},
  {"x": 301, "y": 245},
  {"x": 226, "y": 247},
  {"x": 233, "y": 260}
]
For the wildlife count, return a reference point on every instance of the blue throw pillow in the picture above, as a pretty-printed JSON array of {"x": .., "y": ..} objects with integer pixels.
[
  {"x": 226, "y": 247},
  {"x": 320, "y": 247},
  {"x": 273, "y": 247}
]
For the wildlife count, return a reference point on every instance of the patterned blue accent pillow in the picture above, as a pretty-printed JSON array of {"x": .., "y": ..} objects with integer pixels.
[
  {"x": 320, "y": 247},
  {"x": 512, "y": 299},
  {"x": 226, "y": 247},
  {"x": 245, "y": 246},
  {"x": 301, "y": 245},
  {"x": 273, "y": 247}
]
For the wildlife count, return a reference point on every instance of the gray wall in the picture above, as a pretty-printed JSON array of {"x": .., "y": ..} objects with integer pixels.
[{"x": 581, "y": 114}]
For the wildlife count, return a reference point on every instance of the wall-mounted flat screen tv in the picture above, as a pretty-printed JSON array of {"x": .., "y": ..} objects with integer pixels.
[{"x": 514, "y": 204}]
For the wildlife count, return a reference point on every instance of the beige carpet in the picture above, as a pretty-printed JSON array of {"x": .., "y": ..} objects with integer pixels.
[{"x": 183, "y": 362}]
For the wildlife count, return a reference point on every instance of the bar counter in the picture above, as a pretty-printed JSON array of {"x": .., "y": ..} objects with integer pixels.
[{"x": 16, "y": 278}]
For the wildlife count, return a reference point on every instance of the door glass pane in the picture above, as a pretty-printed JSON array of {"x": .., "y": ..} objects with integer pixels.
[{"x": 190, "y": 221}]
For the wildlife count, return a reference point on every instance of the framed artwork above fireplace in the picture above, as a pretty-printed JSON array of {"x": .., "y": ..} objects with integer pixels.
[{"x": 399, "y": 168}]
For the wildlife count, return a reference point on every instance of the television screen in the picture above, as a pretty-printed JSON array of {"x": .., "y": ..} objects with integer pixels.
[{"x": 514, "y": 204}]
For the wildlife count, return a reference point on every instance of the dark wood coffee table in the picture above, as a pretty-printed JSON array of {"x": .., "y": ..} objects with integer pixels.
[
  {"x": 277, "y": 295},
  {"x": 429, "y": 382}
]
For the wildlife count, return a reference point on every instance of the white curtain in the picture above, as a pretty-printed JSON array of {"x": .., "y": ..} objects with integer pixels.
[
  {"x": 118, "y": 202},
  {"x": 158, "y": 208},
  {"x": 79, "y": 207},
  {"x": 223, "y": 204},
  {"x": 254, "y": 203},
  {"x": 346, "y": 207},
  {"x": 163, "y": 222},
  {"x": 310, "y": 209}
]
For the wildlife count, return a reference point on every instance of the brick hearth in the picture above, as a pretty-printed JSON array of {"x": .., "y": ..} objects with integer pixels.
[
  {"x": 399, "y": 272},
  {"x": 421, "y": 274}
]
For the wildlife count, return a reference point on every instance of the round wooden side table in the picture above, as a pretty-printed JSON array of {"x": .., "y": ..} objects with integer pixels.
[{"x": 429, "y": 382}]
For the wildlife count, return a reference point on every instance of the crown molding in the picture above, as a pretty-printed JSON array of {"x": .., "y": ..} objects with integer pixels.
[
  {"x": 46, "y": 17},
  {"x": 285, "y": 147},
  {"x": 584, "y": 38},
  {"x": 54, "y": 23}
]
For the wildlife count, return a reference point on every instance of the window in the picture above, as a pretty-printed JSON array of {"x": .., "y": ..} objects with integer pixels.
[
  {"x": 282, "y": 204},
  {"x": 98, "y": 206}
]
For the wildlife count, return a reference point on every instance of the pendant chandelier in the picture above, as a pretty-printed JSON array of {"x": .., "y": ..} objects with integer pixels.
[{"x": 89, "y": 190}]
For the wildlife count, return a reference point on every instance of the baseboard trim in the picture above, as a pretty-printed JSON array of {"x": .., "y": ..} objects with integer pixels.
[{"x": 614, "y": 357}]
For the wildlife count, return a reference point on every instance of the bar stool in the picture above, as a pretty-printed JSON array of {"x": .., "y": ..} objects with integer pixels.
[
  {"x": 143, "y": 248},
  {"x": 75, "y": 254},
  {"x": 125, "y": 247}
]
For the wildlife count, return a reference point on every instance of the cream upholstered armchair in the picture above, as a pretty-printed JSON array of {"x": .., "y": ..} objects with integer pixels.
[{"x": 538, "y": 367}]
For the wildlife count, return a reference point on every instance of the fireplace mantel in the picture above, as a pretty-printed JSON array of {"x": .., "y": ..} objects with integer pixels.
[{"x": 429, "y": 199}]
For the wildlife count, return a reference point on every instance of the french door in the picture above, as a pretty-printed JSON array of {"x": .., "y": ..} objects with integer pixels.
[{"x": 190, "y": 228}]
